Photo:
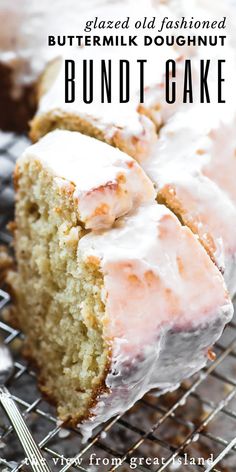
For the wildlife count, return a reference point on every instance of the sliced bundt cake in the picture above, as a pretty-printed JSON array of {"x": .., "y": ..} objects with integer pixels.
[{"x": 108, "y": 313}]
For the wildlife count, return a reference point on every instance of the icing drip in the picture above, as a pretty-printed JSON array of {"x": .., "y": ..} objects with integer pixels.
[
  {"x": 153, "y": 332},
  {"x": 106, "y": 182}
]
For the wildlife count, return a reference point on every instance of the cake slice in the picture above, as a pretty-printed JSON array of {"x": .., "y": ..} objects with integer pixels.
[
  {"x": 104, "y": 182},
  {"x": 108, "y": 314},
  {"x": 120, "y": 125},
  {"x": 192, "y": 167},
  {"x": 129, "y": 126}
]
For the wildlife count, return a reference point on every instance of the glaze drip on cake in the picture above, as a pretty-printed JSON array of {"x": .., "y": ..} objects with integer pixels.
[
  {"x": 114, "y": 312},
  {"x": 126, "y": 299},
  {"x": 195, "y": 180},
  {"x": 106, "y": 182}
]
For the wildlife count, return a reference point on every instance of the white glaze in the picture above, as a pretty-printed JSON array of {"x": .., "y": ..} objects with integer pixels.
[
  {"x": 155, "y": 368},
  {"x": 178, "y": 308},
  {"x": 111, "y": 119},
  {"x": 108, "y": 183},
  {"x": 119, "y": 123},
  {"x": 123, "y": 121},
  {"x": 195, "y": 157}
]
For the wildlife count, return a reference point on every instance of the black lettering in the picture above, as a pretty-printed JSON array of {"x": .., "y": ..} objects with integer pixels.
[
  {"x": 188, "y": 85},
  {"x": 124, "y": 81},
  {"x": 87, "y": 82},
  {"x": 204, "y": 91},
  {"x": 106, "y": 81},
  {"x": 69, "y": 81},
  {"x": 141, "y": 88},
  {"x": 170, "y": 74},
  {"x": 51, "y": 41},
  {"x": 220, "y": 81}
]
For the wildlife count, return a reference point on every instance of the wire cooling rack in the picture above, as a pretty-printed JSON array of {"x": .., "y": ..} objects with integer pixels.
[{"x": 193, "y": 428}]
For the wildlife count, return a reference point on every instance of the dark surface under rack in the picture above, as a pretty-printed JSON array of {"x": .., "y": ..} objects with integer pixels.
[{"x": 197, "y": 420}]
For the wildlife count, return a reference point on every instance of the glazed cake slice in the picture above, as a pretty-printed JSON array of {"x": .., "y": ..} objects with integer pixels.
[
  {"x": 158, "y": 328},
  {"x": 192, "y": 167},
  {"x": 129, "y": 126},
  {"x": 104, "y": 182},
  {"x": 118, "y": 125},
  {"x": 114, "y": 312}
]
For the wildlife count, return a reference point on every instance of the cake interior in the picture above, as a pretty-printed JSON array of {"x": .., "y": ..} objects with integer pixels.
[{"x": 58, "y": 297}]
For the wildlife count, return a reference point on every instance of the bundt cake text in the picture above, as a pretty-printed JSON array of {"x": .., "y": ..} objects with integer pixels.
[{"x": 112, "y": 81}]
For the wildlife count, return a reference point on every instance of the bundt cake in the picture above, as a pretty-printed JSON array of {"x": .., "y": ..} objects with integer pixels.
[
  {"x": 113, "y": 289},
  {"x": 186, "y": 161},
  {"x": 108, "y": 314}
]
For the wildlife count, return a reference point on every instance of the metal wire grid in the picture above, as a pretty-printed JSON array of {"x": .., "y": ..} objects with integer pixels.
[{"x": 198, "y": 419}]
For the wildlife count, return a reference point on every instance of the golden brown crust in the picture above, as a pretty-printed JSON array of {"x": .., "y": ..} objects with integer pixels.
[
  {"x": 50, "y": 396},
  {"x": 6, "y": 264},
  {"x": 12, "y": 226},
  {"x": 150, "y": 113},
  {"x": 16, "y": 177},
  {"x": 167, "y": 196},
  {"x": 57, "y": 119}
]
